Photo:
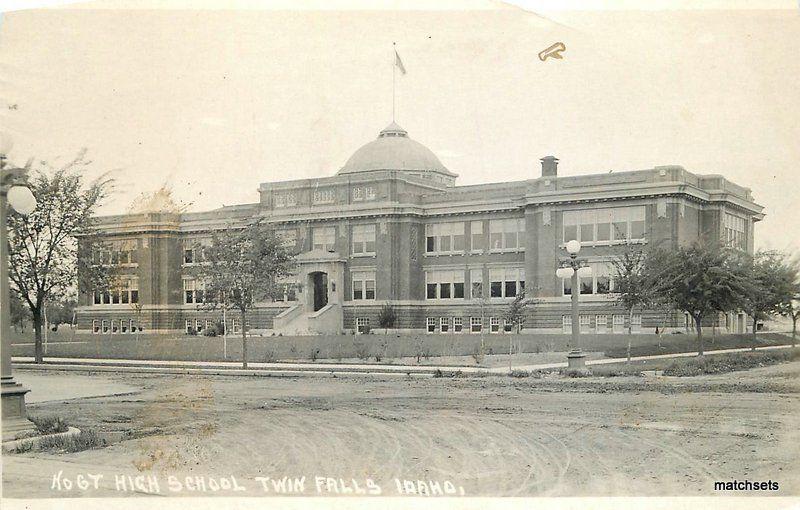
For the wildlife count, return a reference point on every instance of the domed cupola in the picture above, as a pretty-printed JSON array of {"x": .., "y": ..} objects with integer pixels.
[{"x": 394, "y": 150}]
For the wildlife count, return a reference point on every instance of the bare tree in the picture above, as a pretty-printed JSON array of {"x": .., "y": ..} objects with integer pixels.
[{"x": 242, "y": 266}]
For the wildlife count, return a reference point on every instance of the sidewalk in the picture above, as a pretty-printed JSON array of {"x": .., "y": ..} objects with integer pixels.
[{"x": 293, "y": 369}]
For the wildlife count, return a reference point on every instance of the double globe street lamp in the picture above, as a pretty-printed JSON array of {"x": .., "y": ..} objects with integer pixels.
[
  {"x": 14, "y": 192},
  {"x": 574, "y": 269}
]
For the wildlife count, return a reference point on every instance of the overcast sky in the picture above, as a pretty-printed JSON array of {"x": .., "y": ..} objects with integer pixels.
[{"x": 213, "y": 103}]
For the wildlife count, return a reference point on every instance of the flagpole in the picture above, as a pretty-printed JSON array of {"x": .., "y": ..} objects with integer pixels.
[{"x": 394, "y": 65}]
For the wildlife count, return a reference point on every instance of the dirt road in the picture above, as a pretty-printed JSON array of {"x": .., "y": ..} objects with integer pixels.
[{"x": 492, "y": 436}]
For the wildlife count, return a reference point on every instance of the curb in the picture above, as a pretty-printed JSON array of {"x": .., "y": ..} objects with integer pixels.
[{"x": 35, "y": 441}]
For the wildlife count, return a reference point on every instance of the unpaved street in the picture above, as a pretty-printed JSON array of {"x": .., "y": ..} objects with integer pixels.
[{"x": 491, "y": 436}]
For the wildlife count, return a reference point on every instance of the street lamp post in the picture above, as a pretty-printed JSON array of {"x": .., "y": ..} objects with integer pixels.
[
  {"x": 574, "y": 268},
  {"x": 14, "y": 192}
]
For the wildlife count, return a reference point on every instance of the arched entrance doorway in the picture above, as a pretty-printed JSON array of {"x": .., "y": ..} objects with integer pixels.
[{"x": 319, "y": 286}]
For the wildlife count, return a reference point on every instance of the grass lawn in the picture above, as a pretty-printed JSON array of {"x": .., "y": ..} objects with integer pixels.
[{"x": 392, "y": 348}]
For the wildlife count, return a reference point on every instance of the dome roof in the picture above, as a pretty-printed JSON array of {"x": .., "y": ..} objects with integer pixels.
[{"x": 394, "y": 150}]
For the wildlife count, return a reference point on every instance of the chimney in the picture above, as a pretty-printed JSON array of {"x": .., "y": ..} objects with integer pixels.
[{"x": 549, "y": 166}]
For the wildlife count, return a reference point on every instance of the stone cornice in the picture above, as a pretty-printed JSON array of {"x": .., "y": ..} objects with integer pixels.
[{"x": 640, "y": 190}]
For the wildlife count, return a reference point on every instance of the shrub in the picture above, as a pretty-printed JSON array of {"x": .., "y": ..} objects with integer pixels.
[
  {"x": 387, "y": 316},
  {"x": 86, "y": 440},
  {"x": 478, "y": 354},
  {"x": 49, "y": 424},
  {"x": 269, "y": 356},
  {"x": 212, "y": 331},
  {"x": 519, "y": 373},
  {"x": 314, "y": 354},
  {"x": 721, "y": 363},
  {"x": 361, "y": 350},
  {"x": 616, "y": 370}
]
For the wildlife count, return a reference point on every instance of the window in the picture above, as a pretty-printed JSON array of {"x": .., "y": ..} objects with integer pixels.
[
  {"x": 636, "y": 323},
  {"x": 507, "y": 235},
  {"x": 476, "y": 283},
  {"x": 506, "y": 282},
  {"x": 123, "y": 292},
  {"x": 95, "y": 326},
  {"x": 458, "y": 324},
  {"x": 363, "y": 239},
  {"x": 324, "y": 238},
  {"x": 619, "y": 324},
  {"x": 194, "y": 250},
  {"x": 601, "y": 323},
  {"x": 235, "y": 326},
  {"x": 193, "y": 291},
  {"x": 116, "y": 253},
  {"x": 605, "y": 226},
  {"x": 444, "y": 324},
  {"x": 508, "y": 326},
  {"x": 114, "y": 326},
  {"x": 199, "y": 325},
  {"x": 734, "y": 231},
  {"x": 476, "y": 233},
  {"x": 586, "y": 323},
  {"x": 430, "y": 324},
  {"x": 324, "y": 196},
  {"x": 105, "y": 326},
  {"x": 444, "y": 284},
  {"x": 288, "y": 237},
  {"x": 475, "y": 324},
  {"x": 443, "y": 238},
  {"x": 287, "y": 290},
  {"x": 494, "y": 324},
  {"x": 362, "y": 325},
  {"x": 601, "y": 281},
  {"x": 189, "y": 326},
  {"x": 123, "y": 326},
  {"x": 566, "y": 324},
  {"x": 363, "y": 285}
]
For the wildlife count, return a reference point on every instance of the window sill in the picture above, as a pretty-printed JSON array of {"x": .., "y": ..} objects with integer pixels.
[
  {"x": 591, "y": 297},
  {"x": 444, "y": 254},
  {"x": 362, "y": 255},
  {"x": 607, "y": 243},
  {"x": 507, "y": 250}
]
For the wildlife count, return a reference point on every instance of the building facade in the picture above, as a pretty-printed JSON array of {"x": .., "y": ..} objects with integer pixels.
[{"x": 392, "y": 226}]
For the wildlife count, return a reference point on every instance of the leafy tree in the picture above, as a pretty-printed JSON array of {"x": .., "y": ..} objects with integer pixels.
[
  {"x": 769, "y": 282},
  {"x": 243, "y": 266},
  {"x": 43, "y": 246},
  {"x": 515, "y": 313},
  {"x": 791, "y": 306},
  {"x": 638, "y": 283},
  {"x": 701, "y": 280},
  {"x": 20, "y": 313},
  {"x": 387, "y": 316},
  {"x": 61, "y": 311}
]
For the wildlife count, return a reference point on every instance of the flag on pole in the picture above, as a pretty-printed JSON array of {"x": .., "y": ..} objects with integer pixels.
[{"x": 398, "y": 62}]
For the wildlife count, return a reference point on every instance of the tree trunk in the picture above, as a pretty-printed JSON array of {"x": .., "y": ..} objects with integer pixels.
[
  {"x": 794, "y": 329},
  {"x": 38, "y": 355},
  {"x": 755, "y": 329},
  {"x": 630, "y": 332},
  {"x": 244, "y": 340},
  {"x": 698, "y": 325}
]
